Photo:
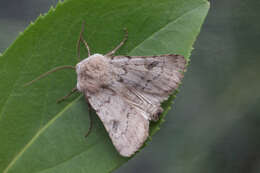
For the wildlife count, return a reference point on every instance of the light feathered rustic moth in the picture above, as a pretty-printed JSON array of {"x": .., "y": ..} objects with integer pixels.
[{"x": 126, "y": 91}]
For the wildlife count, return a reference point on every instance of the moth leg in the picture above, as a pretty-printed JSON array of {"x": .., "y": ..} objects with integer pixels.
[
  {"x": 120, "y": 44},
  {"x": 81, "y": 39},
  {"x": 90, "y": 120},
  {"x": 68, "y": 95}
]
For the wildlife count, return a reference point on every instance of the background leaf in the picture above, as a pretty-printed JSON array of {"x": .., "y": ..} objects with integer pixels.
[{"x": 41, "y": 136}]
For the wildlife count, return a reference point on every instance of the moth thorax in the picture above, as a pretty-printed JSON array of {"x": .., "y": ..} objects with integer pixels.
[{"x": 93, "y": 73}]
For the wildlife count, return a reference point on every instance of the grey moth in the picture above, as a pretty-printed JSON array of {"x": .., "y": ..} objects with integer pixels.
[{"x": 127, "y": 91}]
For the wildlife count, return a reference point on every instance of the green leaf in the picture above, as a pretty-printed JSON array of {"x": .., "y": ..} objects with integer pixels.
[{"x": 38, "y": 135}]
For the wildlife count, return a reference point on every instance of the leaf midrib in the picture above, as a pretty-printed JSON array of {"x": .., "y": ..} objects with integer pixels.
[{"x": 38, "y": 133}]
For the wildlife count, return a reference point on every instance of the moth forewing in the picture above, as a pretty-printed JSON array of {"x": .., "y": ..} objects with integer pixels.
[{"x": 126, "y": 92}]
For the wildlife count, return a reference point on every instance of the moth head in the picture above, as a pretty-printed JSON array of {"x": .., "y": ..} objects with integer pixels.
[{"x": 92, "y": 73}]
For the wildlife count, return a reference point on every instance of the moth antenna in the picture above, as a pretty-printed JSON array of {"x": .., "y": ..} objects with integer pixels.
[
  {"x": 120, "y": 44},
  {"x": 49, "y": 72},
  {"x": 87, "y": 47},
  {"x": 84, "y": 41},
  {"x": 78, "y": 43},
  {"x": 90, "y": 120}
]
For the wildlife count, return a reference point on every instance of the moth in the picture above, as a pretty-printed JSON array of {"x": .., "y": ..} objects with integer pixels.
[{"x": 126, "y": 91}]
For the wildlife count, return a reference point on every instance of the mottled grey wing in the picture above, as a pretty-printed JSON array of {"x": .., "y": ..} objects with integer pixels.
[
  {"x": 127, "y": 126},
  {"x": 149, "y": 80},
  {"x": 133, "y": 96}
]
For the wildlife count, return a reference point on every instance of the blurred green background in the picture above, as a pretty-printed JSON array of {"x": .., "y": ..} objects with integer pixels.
[{"x": 214, "y": 125}]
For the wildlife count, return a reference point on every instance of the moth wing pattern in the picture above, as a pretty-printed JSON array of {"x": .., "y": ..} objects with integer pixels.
[
  {"x": 133, "y": 97},
  {"x": 127, "y": 128},
  {"x": 150, "y": 78}
]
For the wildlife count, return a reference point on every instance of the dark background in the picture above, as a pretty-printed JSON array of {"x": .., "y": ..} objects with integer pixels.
[{"x": 214, "y": 125}]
